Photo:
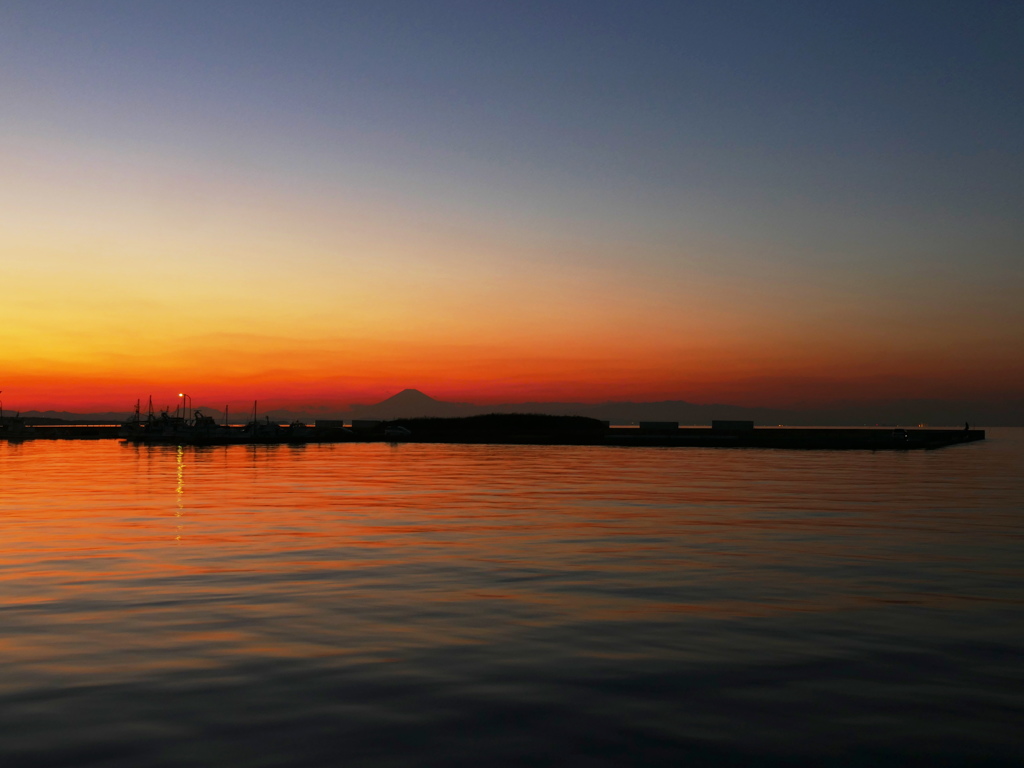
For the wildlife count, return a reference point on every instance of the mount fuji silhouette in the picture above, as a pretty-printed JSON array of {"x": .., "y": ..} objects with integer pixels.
[{"x": 411, "y": 404}]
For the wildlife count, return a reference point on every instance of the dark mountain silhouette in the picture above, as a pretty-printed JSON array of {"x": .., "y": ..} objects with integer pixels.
[
  {"x": 411, "y": 404},
  {"x": 66, "y": 417}
]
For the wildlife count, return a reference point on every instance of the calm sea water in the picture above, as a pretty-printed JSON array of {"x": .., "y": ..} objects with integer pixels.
[{"x": 498, "y": 605}]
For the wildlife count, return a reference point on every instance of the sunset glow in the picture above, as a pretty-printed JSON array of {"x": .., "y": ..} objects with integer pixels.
[{"x": 316, "y": 210}]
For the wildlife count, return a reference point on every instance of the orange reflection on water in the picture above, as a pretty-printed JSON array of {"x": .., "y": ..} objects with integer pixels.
[{"x": 364, "y": 550}]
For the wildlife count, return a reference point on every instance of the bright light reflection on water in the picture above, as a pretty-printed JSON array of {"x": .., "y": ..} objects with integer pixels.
[{"x": 500, "y": 605}]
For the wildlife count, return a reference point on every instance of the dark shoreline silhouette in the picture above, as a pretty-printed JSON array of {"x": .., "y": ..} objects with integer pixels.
[{"x": 510, "y": 429}]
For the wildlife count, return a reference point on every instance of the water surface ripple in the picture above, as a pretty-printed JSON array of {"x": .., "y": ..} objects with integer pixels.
[{"x": 448, "y": 605}]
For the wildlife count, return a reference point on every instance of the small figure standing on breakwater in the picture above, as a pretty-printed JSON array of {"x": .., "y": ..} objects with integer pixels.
[{"x": 967, "y": 426}]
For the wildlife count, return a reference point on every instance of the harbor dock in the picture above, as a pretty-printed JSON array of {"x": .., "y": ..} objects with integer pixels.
[{"x": 514, "y": 429}]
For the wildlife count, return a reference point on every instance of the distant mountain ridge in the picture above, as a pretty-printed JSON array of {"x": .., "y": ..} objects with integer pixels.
[
  {"x": 412, "y": 403},
  {"x": 66, "y": 416}
]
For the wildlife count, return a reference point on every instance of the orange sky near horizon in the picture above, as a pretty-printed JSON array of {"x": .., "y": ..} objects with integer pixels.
[
  {"x": 466, "y": 315},
  {"x": 118, "y": 300},
  {"x": 330, "y": 374}
]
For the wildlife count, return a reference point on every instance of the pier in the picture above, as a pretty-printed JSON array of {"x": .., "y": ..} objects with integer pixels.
[{"x": 518, "y": 429}]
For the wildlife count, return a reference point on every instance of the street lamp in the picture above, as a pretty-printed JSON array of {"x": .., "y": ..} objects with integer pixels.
[{"x": 186, "y": 403}]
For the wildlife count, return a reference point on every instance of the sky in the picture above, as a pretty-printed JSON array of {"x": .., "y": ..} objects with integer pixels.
[{"x": 321, "y": 203}]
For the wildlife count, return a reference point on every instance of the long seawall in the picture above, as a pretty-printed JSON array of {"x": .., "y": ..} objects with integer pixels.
[{"x": 538, "y": 433}]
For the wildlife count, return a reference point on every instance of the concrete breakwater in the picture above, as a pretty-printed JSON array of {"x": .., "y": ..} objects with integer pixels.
[
  {"x": 577, "y": 430},
  {"x": 59, "y": 432},
  {"x": 807, "y": 438},
  {"x": 524, "y": 429}
]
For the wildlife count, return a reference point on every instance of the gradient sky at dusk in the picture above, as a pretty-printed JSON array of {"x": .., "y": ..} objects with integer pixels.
[{"x": 319, "y": 203}]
